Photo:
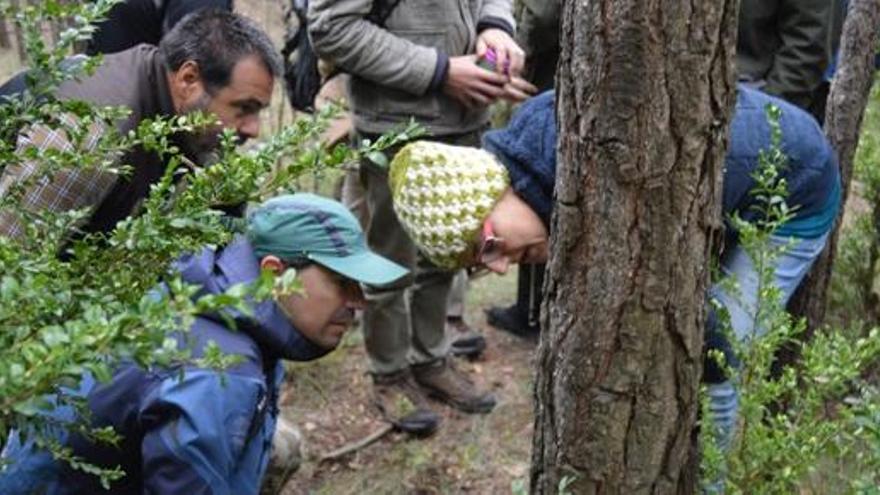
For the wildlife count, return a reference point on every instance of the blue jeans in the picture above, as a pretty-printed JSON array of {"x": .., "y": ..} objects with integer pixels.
[{"x": 790, "y": 269}]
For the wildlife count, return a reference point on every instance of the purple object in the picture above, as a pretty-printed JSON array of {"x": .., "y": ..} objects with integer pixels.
[{"x": 489, "y": 60}]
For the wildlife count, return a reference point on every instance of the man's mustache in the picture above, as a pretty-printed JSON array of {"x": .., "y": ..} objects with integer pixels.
[{"x": 342, "y": 316}]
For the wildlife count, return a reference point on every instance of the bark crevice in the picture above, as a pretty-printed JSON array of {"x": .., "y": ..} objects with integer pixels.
[{"x": 640, "y": 148}]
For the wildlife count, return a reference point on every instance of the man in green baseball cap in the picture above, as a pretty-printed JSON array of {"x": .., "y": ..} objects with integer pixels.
[
  {"x": 208, "y": 430},
  {"x": 304, "y": 228}
]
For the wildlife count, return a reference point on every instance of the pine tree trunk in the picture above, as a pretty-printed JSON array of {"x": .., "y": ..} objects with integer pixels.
[
  {"x": 843, "y": 121},
  {"x": 645, "y": 90},
  {"x": 5, "y": 40},
  {"x": 19, "y": 37}
]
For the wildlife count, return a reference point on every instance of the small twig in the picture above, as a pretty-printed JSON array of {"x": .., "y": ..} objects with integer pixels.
[
  {"x": 358, "y": 444},
  {"x": 189, "y": 163}
]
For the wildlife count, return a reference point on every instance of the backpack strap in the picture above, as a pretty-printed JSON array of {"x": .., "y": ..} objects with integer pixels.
[{"x": 380, "y": 13}]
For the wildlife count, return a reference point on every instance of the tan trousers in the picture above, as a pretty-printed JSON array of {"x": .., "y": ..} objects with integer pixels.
[{"x": 354, "y": 197}]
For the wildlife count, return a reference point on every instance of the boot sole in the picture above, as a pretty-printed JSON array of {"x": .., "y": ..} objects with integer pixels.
[
  {"x": 470, "y": 409},
  {"x": 418, "y": 428},
  {"x": 471, "y": 351}
]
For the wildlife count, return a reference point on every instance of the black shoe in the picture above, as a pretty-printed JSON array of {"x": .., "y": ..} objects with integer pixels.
[
  {"x": 511, "y": 320},
  {"x": 466, "y": 341}
]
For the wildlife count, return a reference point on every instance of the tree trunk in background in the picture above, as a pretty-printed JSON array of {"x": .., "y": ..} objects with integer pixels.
[
  {"x": 19, "y": 38},
  {"x": 843, "y": 120},
  {"x": 5, "y": 40},
  {"x": 645, "y": 90}
]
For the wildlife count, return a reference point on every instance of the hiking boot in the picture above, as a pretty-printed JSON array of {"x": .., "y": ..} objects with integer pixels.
[
  {"x": 401, "y": 402},
  {"x": 511, "y": 320},
  {"x": 285, "y": 459},
  {"x": 466, "y": 341},
  {"x": 446, "y": 383}
]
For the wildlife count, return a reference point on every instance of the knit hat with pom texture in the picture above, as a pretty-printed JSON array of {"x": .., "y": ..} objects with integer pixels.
[{"x": 442, "y": 194}]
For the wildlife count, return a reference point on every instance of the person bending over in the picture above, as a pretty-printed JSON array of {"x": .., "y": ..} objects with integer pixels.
[{"x": 489, "y": 209}]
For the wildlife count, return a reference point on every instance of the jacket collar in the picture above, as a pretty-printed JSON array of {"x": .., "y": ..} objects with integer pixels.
[{"x": 154, "y": 81}]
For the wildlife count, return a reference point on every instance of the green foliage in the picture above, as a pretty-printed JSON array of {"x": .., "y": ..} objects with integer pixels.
[
  {"x": 82, "y": 312},
  {"x": 790, "y": 422}
]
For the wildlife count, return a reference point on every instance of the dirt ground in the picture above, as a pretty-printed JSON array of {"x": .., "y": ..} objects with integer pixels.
[{"x": 329, "y": 400}]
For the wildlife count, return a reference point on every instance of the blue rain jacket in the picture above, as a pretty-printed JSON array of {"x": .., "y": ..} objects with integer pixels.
[
  {"x": 205, "y": 432},
  {"x": 527, "y": 148}
]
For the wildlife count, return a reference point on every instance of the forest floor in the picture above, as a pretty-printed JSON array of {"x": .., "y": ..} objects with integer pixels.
[{"x": 329, "y": 400}]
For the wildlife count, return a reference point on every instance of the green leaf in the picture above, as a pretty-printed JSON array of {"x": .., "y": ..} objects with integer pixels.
[{"x": 378, "y": 158}]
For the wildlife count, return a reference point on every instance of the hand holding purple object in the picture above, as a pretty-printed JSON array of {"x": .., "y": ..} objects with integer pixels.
[{"x": 490, "y": 59}]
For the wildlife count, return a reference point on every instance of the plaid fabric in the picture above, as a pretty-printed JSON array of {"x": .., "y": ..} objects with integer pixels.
[{"x": 66, "y": 190}]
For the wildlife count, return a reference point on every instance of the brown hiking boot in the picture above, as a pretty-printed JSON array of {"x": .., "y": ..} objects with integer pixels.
[
  {"x": 446, "y": 383},
  {"x": 286, "y": 457},
  {"x": 401, "y": 403},
  {"x": 465, "y": 340}
]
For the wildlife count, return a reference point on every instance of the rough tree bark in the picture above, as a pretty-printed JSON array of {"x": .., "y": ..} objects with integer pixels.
[
  {"x": 645, "y": 89},
  {"x": 843, "y": 121}
]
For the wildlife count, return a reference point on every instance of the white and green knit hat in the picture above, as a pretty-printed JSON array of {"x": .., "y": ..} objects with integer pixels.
[{"x": 442, "y": 194}]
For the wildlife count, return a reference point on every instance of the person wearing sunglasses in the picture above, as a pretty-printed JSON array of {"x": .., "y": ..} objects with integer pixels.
[{"x": 489, "y": 209}]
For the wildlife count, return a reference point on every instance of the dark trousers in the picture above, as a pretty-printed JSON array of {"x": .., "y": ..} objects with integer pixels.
[{"x": 404, "y": 322}]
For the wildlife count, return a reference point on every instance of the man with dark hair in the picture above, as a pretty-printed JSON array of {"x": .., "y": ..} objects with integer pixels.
[
  {"x": 190, "y": 429},
  {"x": 216, "y": 41},
  {"x": 213, "y": 61}
]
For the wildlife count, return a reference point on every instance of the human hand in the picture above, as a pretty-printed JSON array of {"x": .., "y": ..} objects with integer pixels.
[
  {"x": 518, "y": 89},
  {"x": 472, "y": 85},
  {"x": 510, "y": 58}
]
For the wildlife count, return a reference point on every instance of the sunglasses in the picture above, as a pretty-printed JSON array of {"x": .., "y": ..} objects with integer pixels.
[{"x": 491, "y": 248}]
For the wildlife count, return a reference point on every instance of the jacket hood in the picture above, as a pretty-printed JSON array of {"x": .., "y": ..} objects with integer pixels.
[
  {"x": 527, "y": 148},
  {"x": 216, "y": 270}
]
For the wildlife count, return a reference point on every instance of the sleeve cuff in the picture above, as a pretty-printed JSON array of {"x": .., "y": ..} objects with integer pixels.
[
  {"x": 440, "y": 71},
  {"x": 495, "y": 22}
]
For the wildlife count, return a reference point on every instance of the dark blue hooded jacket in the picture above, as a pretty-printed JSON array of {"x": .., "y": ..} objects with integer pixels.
[
  {"x": 527, "y": 148},
  {"x": 206, "y": 432}
]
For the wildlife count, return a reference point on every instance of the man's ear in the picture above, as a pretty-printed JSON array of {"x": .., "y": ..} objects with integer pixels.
[
  {"x": 273, "y": 264},
  {"x": 186, "y": 84}
]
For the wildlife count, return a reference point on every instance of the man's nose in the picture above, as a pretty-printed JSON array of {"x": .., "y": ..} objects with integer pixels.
[
  {"x": 356, "y": 301},
  {"x": 343, "y": 315},
  {"x": 249, "y": 127},
  {"x": 356, "y": 305}
]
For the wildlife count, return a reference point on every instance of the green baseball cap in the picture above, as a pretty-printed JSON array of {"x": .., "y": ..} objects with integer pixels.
[{"x": 306, "y": 226}]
